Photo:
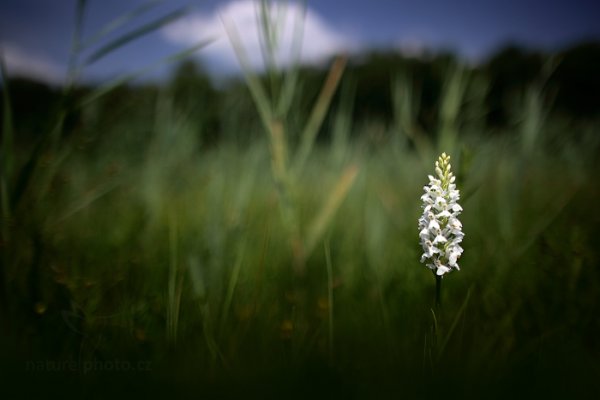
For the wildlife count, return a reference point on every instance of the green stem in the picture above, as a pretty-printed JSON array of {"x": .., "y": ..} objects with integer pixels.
[{"x": 438, "y": 291}]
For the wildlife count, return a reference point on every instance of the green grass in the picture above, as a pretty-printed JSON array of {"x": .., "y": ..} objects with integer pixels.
[{"x": 182, "y": 258}]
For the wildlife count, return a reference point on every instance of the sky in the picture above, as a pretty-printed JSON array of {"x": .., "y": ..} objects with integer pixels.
[{"x": 36, "y": 35}]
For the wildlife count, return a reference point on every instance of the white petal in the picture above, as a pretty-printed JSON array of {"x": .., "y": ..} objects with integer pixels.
[
  {"x": 441, "y": 270},
  {"x": 433, "y": 224},
  {"x": 439, "y": 239},
  {"x": 444, "y": 214},
  {"x": 455, "y": 223},
  {"x": 452, "y": 259}
]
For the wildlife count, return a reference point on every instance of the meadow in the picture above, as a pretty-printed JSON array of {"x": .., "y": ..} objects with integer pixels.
[{"x": 138, "y": 260}]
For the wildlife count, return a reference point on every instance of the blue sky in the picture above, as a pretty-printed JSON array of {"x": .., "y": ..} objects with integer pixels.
[{"x": 35, "y": 35}]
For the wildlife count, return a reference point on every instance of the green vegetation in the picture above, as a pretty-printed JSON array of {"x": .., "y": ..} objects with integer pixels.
[{"x": 267, "y": 260}]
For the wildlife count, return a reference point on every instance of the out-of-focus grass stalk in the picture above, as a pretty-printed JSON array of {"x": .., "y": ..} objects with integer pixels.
[
  {"x": 233, "y": 280},
  {"x": 6, "y": 162},
  {"x": 452, "y": 100},
  {"x": 50, "y": 141},
  {"x": 270, "y": 32},
  {"x": 329, "y": 299},
  {"x": 318, "y": 113},
  {"x": 332, "y": 203},
  {"x": 6, "y": 170},
  {"x": 533, "y": 117},
  {"x": 431, "y": 345},
  {"x": 343, "y": 123},
  {"x": 198, "y": 281},
  {"x": 109, "y": 86},
  {"x": 115, "y": 24},
  {"x": 279, "y": 152},
  {"x": 257, "y": 91},
  {"x": 534, "y": 110},
  {"x": 435, "y": 345},
  {"x": 530, "y": 115},
  {"x": 134, "y": 35},
  {"x": 457, "y": 318},
  {"x": 272, "y": 110},
  {"x": 375, "y": 225},
  {"x": 406, "y": 107},
  {"x": 175, "y": 283},
  {"x": 89, "y": 198},
  {"x": 73, "y": 70},
  {"x": 278, "y": 145},
  {"x": 290, "y": 78}
]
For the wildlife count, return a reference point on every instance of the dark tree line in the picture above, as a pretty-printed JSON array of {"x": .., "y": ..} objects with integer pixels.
[{"x": 569, "y": 80}]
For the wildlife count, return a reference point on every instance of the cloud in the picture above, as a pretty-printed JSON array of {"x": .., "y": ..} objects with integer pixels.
[
  {"x": 20, "y": 62},
  {"x": 319, "y": 40}
]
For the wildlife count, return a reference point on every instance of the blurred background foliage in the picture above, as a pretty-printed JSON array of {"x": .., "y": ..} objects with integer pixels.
[{"x": 568, "y": 78}]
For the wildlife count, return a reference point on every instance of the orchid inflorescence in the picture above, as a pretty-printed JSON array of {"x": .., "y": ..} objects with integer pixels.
[{"x": 440, "y": 231}]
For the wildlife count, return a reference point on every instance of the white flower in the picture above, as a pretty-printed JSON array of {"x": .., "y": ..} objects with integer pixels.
[{"x": 440, "y": 230}]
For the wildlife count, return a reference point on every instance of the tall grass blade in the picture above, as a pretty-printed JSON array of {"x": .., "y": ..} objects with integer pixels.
[
  {"x": 318, "y": 114},
  {"x": 457, "y": 318},
  {"x": 268, "y": 36},
  {"x": 106, "y": 88},
  {"x": 87, "y": 200},
  {"x": 329, "y": 299},
  {"x": 290, "y": 79},
  {"x": 533, "y": 117},
  {"x": 277, "y": 139},
  {"x": 117, "y": 23},
  {"x": 6, "y": 162},
  {"x": 342, "y": 124},
  {"x": 452, "y": 100},
  {"x": 72, "y": 70},
  {"x": 332, "y": 204},
  {"x": 175, "y": 282},
  {"x": 435, "y": 326},
  {"x": 406, "y": 102},
  {"x": 135, "y": 34},
  {"x": 278, "y": 152},
  {"x": 257, "y": 90},
  {"x": 546, "y": 217},
  {"x": 233, "y": 280},
  {"x": 27, "y": 172},
  {"x": 6, "y": 168}
]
